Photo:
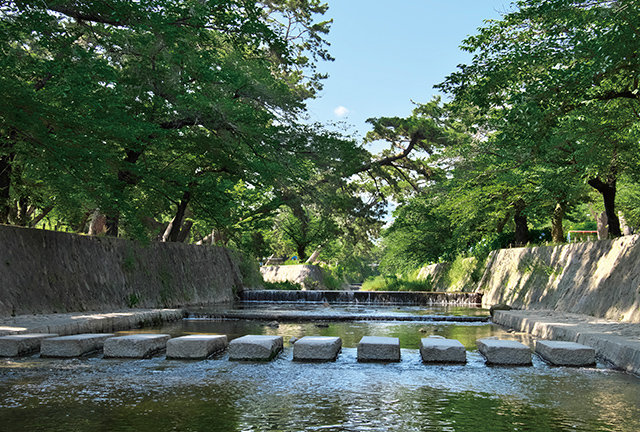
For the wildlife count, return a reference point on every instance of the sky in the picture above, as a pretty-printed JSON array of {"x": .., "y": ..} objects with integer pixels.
[{"x": 388, "y": 53}]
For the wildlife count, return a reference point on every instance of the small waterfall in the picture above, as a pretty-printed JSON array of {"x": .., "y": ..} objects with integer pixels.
[{"x": 407, "y": 298}]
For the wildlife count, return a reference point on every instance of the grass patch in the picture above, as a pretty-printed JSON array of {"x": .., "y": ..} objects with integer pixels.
[
  {"x": 463, "y": 272},
  {"x": 398, "y": 283},
  {"x": 286, "y": 286}
]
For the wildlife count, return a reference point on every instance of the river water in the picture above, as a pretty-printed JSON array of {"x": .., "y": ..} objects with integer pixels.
[{"x": 94, "y": 394}]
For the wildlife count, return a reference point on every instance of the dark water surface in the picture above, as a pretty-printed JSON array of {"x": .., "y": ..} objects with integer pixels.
[{"x": 93, "y": 394}]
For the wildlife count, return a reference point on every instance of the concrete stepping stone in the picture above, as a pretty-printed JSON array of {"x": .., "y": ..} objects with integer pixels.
[
  {"x": 435, "y": 349},
  {"x": 22, "y": 344},
  {"x": 504, "y": 352},
  {"x": 317, "y": 348},
  {"x": 74, "y": 345},
  {"x": 195, "y": 347},
  {"x": 255, "y": 347},
  {"x": 561, "y": 353},
  {"x": 135, "y": 345},
  {"x": 379, "y": 349}
]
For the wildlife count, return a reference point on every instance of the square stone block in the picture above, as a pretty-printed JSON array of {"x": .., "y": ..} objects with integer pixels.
[
  {"x": 566, "y": 353},
  {"x": 135, "y": 345},
  {"x": 22, "y": 344},
  {"x": 74, "y": 345},
  {"x": 317, "y": 348},
  {"x": 440, "y": 350},
  {"x": 195, "y": 347},
  {"x": 379, "y": 349},
  {"x": 255, "y": 347},
  {"x": 504, "y": 352}
]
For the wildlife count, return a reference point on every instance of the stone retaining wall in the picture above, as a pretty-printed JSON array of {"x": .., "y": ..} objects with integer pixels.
[
  {"x": 48, "y": 272},
  {"x": 601, "y": 278}
]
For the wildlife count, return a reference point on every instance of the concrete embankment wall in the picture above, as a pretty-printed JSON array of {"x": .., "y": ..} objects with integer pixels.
[
  {"x": 438, "y": 274},
  {"x": 600, "y": 279},
  {"x": 311, "y": 277},
  {"x": 46, "y": 271},
  {"x": 450, "y": 277}
]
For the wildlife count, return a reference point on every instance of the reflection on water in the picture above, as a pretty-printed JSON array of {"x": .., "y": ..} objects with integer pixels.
[
  {"x": 93, "y": 394},
  {"x": 351, "y": 333}
]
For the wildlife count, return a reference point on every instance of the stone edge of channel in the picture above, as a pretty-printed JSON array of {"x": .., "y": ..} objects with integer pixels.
[{"x": 622, "y": 352}]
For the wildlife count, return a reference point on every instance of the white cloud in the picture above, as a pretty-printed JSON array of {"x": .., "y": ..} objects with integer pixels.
[{"x": 340, "y": 111}]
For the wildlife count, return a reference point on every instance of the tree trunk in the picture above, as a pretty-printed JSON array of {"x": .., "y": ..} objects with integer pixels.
[
  {"x": 219, "y": 237},
  {"x": 112, "y": 224},
  {"x": 173, "y": 230},
  {"x": 303, "y": 218},
  {"x": 520, "y": 219},
  {"x": 22, "y": 216},
  {"x": 557, "y": 232},
  {"x": 99, "y": 223},
  {"x": 185, "y": 231},
  {"x": 207, "y": 240},
  {"x": 41, "y": 216},
  {"x": 126, "y": 178},
  {"x": 608, "y": 192},
  {"x": 502, "y": 222},
  {"x": 302, "y": 251},
  {"x": 314, "y": 256},
  {"x": 6, "y": 161}
]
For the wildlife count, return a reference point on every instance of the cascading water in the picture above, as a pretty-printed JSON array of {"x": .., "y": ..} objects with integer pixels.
[{"x": 362, "y": 297}]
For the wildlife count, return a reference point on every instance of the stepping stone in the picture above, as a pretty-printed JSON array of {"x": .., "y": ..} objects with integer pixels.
[
  {"x": 441, "y": 350},
  {"x": 317, "y": 348},
  {"x": 566, "y": 353},
  {"x": 22, "y": 344},
  {"x": 74, "y": 345},
  {"x": 255, "y": 347},
  {"x": 195, "y": 347},
  {"x": 379, "y": 349},
  {"x": 135, "y": 345},
  {"x": 504, "y": 352}
]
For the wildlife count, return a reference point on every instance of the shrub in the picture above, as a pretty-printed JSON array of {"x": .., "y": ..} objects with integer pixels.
[
  {"x": 249, "y": 268},
  {"x": 332, "y": 281},
  {"x": 376, "y": 283}
]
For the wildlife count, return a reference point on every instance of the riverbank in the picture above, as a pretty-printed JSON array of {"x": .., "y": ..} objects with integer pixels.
[
  {"x": 88, "y": 322},
  {"x": 596, "y": 278},
  {"x": 615, "y": 342}
]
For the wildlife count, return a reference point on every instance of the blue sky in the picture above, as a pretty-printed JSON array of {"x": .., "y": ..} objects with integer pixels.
[{"x": 389, "y": 53}]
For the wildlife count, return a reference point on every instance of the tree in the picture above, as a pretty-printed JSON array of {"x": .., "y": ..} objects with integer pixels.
[
  {"x": 151, "y": 110},
  {"x": 560, "y": 76}
]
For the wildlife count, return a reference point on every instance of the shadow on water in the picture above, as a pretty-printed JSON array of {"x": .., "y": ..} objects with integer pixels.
[{"x": 93, "y": 394}]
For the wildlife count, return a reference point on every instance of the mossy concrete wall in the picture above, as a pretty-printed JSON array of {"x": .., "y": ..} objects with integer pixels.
[
  {"x": 46, "y": 271},
  {"x": 437, "y": 274},
  {"x": 600, "y": 278},
  {"x": 311, "y": 277},
  {"x": 451, "y": 277}
]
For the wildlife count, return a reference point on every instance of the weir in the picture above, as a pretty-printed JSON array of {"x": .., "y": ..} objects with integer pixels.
[{"x": 406, "y": 298}]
